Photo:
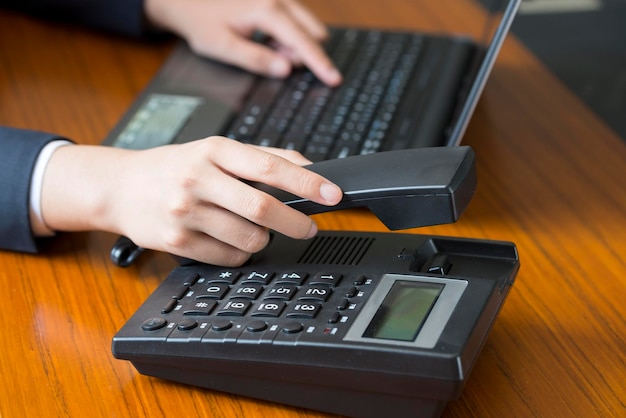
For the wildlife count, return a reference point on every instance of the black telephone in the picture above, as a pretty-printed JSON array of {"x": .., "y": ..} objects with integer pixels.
[{"x": 352, "y": 323}]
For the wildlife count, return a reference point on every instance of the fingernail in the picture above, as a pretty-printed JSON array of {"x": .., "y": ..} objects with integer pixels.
[
  {"x": 312, "y": 231},
  {"x": 279, "y": 68},
  {"x": 330, "y": 193}
]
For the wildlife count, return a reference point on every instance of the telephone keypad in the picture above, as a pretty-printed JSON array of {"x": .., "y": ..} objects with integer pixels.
[{"x": 259, "y": 306}]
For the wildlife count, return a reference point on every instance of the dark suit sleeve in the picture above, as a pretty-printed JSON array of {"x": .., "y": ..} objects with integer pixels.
[
  {"x": 18, "y": 153},
  {"x": 121, "y": 16}
]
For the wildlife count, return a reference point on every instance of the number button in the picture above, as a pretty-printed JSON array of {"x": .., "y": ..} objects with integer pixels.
[
  {"x": 249, "y": 291},
  {"x": 234, "y": 308},
  {"x": 214, "y": 291},
  {"x": 292, "y": 277},
  {"x": 262, "y": 277},
  {"x": 331, "y": 279},
  {"x": 269, "y": 309},
  {"x": 282, "y": 292},
  {"x": 317, "y": 293},
  {"x": 304, "y": 310}
]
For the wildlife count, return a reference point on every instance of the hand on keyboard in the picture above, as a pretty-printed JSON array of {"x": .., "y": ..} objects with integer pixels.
[
  {"x": 222, "y": 29},
  {"x": 323, "y": 123}
]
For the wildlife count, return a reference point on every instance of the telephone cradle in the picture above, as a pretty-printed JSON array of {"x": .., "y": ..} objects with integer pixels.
[{"x": 358, "y": 324}]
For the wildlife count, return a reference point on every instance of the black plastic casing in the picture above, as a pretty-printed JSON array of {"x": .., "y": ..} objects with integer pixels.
[{"x": 319, "y": 370}]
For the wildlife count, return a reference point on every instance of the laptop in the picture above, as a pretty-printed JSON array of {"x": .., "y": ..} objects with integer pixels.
[{"x": 401, "y": 89}]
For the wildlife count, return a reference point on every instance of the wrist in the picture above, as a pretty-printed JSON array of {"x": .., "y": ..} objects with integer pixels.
[
  {"x": 159, "y": 13},
  {"x": 78, "y": 189}
]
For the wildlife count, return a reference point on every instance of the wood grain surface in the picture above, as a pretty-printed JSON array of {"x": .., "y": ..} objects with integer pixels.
[{"x": 552, "y": 179}]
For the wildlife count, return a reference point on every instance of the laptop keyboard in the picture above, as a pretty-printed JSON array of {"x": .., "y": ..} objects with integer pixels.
[{"x": 303, "y": 114}]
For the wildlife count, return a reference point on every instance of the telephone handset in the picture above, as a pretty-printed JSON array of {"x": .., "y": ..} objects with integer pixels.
[{"x": 404, "y": 189}]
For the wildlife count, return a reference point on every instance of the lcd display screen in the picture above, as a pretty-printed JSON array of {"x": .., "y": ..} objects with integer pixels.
[
  {"x": 404, "y": 310},
  {"x": 158, "y": 121}
]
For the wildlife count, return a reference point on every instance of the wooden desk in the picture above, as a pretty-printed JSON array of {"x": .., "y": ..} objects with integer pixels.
[{"x": 551, "y": 178}]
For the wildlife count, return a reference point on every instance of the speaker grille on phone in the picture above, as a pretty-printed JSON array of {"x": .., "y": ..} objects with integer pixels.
[{"x": 344, "y": 250}]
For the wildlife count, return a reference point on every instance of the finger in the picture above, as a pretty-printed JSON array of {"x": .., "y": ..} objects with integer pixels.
[
  {"x": 257, "y": 207},
  {"x": 286, "y": 31},
  {"x": 204, "y": 248},
  {"x": 249, "y": 55},
  {"x": 227, "y": 227},
  {"x": 289, "y": 154},
  {"x": 256, "y": 165},
  {"x": 291, "y": 56}
]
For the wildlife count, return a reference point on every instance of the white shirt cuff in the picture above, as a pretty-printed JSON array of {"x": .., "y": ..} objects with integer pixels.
[{"x": 38, "y": 226}]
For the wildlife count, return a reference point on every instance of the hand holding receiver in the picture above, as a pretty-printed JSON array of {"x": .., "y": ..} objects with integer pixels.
[{"x": 404, "y": 188}]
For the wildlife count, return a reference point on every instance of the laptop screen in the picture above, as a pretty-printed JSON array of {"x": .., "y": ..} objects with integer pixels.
[{"x": 496, "y": 24}]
